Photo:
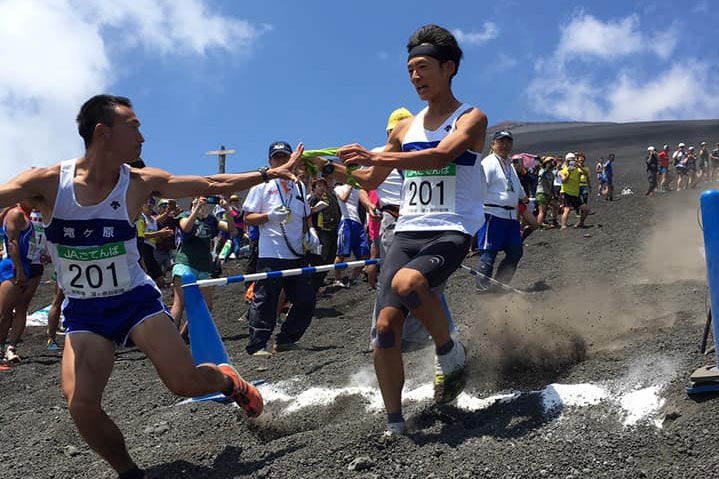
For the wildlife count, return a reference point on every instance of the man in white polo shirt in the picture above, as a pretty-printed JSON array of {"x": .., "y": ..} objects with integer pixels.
[
  {"x": 281, "y": 211},
  {"x": 501, "y": 230}
]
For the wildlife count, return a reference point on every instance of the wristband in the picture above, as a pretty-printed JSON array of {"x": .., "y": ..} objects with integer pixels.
[
  {"x": 328, "y": 168},
  {"x": 263, "y": 172}
]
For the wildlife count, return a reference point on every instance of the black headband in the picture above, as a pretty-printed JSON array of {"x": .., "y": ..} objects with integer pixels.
[{"x": 429, "y": 50}]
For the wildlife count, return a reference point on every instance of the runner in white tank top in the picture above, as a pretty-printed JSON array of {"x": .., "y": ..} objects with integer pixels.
[
  {"x": 90, "y": 205},
  {"x": 441, "y": 208}
]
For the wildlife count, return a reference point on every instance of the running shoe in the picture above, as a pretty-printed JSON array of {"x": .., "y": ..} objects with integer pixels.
[
  {"x": 482, "y": 284},
  {"x": 263, "y": 353},
  {"x": 396, "y": 428},
  {"x": 244, "y": 394},
  {"x": 11, "y": 355},
  {"x": 450, "y": 374},
  {"x": 52, "y": 345},
  {"x": 284, "y": 347}
]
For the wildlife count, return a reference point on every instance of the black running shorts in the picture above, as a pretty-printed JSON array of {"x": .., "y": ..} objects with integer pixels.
[{"x": 435, "y": 254}]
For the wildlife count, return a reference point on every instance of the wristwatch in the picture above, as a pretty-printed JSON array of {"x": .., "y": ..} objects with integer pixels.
[
  {"x": 263, "y": 171},
  {"x": 328, "y": 168}
]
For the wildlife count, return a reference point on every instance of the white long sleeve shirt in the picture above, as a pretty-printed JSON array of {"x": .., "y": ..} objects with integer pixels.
[{"x": 503, "y": 187}]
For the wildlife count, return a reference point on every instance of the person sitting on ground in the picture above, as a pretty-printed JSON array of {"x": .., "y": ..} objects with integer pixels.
[
  {"x": 570, "y": 191},
  {"x": 281, "y": 211},
  {"x": 664, "y": 175},
  {"x": 680, "y": 166},
  {"x": 501, "y": 229},
  {"x": 545, "y": 198},
  {"x": 197, "y": 228},
  {"x": 351, "y": 235},
  {"x": 14, "y": 274}
]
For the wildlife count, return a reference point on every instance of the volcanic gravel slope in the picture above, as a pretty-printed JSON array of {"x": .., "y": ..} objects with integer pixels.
[{"x": 620, "y": 305}]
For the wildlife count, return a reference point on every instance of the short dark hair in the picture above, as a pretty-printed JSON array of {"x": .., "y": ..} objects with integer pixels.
[
  {"x": 98, "y": 109},
  {"x": 439, "y": 37}
]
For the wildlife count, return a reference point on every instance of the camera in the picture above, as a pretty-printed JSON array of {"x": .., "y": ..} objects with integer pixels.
[{"x": 213, "y": 200}]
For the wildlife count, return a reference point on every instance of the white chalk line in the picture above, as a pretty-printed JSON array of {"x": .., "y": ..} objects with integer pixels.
[{"x": 637, "y": 406}]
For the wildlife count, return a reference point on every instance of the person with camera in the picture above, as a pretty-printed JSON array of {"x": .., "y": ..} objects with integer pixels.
[
  {"x": 197, "y": 229},
  {"x": 281, "y": 211},
  {"x": 571, "y": 177},
  {"x": 326, "y": 217}
]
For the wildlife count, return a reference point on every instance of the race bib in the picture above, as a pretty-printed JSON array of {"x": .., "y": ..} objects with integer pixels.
[
  {"x": 429, "y": 191},
  {"x": 94, "y": 272}
]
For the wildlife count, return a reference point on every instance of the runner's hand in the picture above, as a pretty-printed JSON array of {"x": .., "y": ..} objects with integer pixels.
[
  {"x": 285, "y": 171},
  {"x": 355, "y": 155}
]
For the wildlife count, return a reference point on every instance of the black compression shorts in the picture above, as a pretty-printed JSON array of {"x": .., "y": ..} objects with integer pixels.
[{"x": 435, "y": 254}]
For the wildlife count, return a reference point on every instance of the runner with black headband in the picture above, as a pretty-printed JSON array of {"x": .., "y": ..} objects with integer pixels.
[{"x": 443, "y": 189}]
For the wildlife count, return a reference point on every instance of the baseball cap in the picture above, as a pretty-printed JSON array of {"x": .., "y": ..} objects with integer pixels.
[
  {"x": 502, "y": 134},
  {"x": 666, "y": 147},
  {"x": 703, "y": 143},
  {"x": 691, "y": 148},
  {"x": 280, "y": 147},
  {"x": 651, "y": 148},
  {"x": 681, "y": 145},
  {"x": 399, "y": 114},
  {"x": 234, "y": 198},
  {"x": 547, "y": 159},
  {"x": 569, "y": 156}
]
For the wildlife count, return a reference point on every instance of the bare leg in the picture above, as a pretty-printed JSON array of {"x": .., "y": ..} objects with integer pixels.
[
  {"x": 9, "y": 296},
  {"x": 18, "y": 323},
  {"x": 178, "y": 301},
  {"x": 565, "y": 216},
  {"x": 160, "y": 341},
  {"x": 388, "y": 364},
  {"x": 53, "y": 316},
  {"x": 338, "y": 272},
  {"x": 87, "y": 362}
]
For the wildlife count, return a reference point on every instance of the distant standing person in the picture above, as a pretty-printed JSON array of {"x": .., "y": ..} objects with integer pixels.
[
  {"x": 609, "y": 178},
  {"x": 570, "y": 191},
  {"x": 545, "y": 198},
  {"x": 715, "y": 162},
  {"x": 351, "y": 236},
  {"x": 703, "y": 166},
  {"x": 664, "y": 177},
  {"x": 690, "y": 164},
  {"x": 652, "y": 163},
  {"x": 599, "y": 171},
  {"x": 680, "y": 166}
]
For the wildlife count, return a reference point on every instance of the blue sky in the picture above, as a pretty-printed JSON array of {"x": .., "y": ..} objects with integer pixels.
[{"x": 243, "y": 74}]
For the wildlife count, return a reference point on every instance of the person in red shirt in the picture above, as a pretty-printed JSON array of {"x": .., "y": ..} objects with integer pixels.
[{"x": 664, "y": 175}]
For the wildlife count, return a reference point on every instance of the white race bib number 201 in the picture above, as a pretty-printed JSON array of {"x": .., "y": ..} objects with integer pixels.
[
  {"x": 430, "y": 191},
  {"x": 95, "y": 272}
]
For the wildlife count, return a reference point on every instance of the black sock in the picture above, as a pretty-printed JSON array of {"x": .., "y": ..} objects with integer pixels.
[
  {"x": 393, "y": 417},
  {"x": 134, "y": 473},
  {"x": 444, "y": 349}
]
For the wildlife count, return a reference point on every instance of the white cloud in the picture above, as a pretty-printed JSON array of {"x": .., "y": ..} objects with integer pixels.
[
  {"x": 564, "y": 85},
  {"x": 57, "y": 53},
  {"x": 489, "y": 32}
]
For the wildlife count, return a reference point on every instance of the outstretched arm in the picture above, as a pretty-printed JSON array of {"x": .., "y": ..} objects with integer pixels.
[
  {"x": 469, "y": 135},
  {"x": 36, "y": 185},
  {"x": 162, "y": 183}
]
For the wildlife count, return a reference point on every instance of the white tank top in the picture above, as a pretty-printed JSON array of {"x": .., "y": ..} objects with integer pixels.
[
  {"x": 93, "y": 248},
  {"x": 451, "y": 198}
]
